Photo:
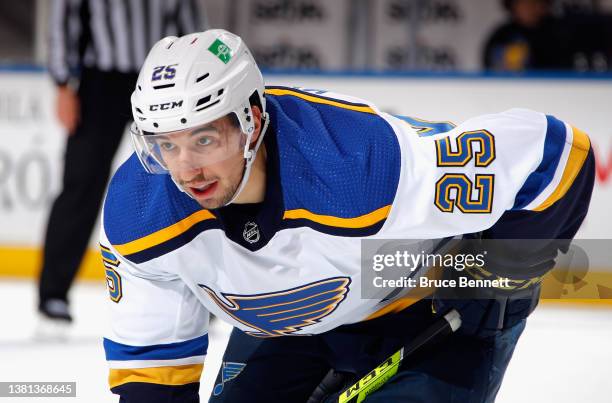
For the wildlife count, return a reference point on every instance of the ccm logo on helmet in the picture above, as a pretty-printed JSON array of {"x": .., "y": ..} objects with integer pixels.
[{"x": 166, "y": 106}]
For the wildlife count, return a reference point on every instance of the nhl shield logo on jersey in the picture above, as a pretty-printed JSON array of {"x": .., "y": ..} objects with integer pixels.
[
  {"x": 284, "y": 312},
  {"x": 251, "y": 232}
]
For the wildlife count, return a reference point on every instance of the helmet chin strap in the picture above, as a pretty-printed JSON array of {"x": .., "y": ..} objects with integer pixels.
[{"x": 249, "y": 156}]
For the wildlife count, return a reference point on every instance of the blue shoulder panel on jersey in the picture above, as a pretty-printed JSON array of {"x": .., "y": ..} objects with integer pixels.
[
  {"x": 339, "y": 162},
  {"x": 171, "y": 351},
  {"x": 538, "y": 180},
  {"x": 145, "y": 215}
]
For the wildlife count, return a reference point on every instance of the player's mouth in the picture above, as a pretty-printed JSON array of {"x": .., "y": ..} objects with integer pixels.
[{"x": 204, "y": 191}]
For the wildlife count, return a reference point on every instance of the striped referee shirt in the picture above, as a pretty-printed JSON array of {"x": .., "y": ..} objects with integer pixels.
[{"x": 114, "y": 34}]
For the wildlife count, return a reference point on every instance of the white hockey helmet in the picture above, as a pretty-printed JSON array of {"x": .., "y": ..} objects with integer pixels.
[{"x": 190, "y": 81}]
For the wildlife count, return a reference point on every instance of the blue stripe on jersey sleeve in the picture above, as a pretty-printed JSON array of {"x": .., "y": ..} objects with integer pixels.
[
  {"x": 543, "y": 175},
  {"x": 188, "y": 348}
]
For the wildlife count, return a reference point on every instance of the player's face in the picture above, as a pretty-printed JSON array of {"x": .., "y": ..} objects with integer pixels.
[{"x": 207, "y": 162}]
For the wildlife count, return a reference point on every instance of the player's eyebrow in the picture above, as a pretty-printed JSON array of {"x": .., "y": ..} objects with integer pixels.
[{"x": 207, "y": 128}]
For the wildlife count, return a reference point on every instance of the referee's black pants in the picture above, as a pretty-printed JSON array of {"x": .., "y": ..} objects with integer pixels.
[{"x": 104, "y": 113}]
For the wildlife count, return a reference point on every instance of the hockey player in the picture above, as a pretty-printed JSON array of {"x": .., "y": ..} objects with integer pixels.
[{"x": 250, "y": 203}]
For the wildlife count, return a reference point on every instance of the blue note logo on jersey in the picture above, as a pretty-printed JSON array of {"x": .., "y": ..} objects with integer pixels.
[
  {"x": 284, "y": 312},
  {"x": 229, "y": 371}
]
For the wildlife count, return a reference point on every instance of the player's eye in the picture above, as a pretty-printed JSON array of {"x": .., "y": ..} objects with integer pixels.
[
  {"x": 205, "y": 141},
  {"x": 167, "y": 146}
]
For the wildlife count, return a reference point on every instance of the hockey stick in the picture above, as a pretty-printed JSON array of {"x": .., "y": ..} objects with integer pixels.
[{"x": 373, "y": 380}]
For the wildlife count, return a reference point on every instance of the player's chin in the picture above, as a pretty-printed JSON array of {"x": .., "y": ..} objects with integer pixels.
[{"x": 210, "y": 203}]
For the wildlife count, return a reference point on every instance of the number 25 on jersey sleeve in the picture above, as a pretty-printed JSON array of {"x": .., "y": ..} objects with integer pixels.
[{"x": 469, "y": 196}]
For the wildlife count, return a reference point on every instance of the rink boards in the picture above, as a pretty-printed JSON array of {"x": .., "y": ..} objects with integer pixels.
[{"x": 31, "y": 141}]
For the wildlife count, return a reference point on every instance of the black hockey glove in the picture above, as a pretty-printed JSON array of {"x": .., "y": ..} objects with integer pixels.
[{"x": 517, "y": 266}]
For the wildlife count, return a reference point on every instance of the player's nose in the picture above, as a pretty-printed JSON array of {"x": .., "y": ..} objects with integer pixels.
[
  {"x": 188, "y": 160},
  {"x": 189, "y": 174}
]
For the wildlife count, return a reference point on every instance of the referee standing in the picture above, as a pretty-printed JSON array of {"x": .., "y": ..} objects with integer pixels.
[{"x": 96, "y": 50}]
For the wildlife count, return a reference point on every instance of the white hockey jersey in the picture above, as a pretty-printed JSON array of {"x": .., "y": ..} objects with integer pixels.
[{"x": 338, "y": 171}]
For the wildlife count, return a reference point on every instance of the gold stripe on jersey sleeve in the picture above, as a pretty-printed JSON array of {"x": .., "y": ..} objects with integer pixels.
[
  {"x": 578, "y": 154},
  {"x": 173, "y": 375},
  {"x": 164, "y": 234},
  {"x": 318, "y": 100},
  {"x": 356, "y": 222}
]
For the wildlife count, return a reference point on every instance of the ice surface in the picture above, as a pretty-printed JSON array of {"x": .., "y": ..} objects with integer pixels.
[{"x": 563, "y": 356}]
